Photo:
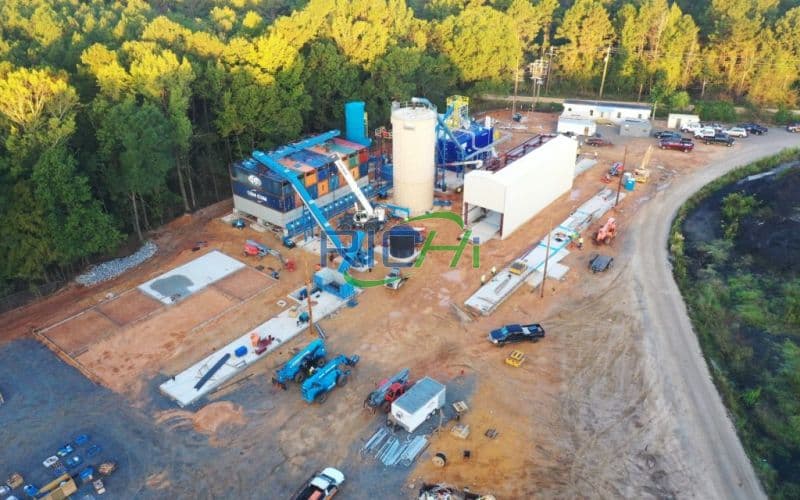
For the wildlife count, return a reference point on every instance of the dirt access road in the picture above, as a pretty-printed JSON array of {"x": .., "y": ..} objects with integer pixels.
[{"x": 700, "y": 420}]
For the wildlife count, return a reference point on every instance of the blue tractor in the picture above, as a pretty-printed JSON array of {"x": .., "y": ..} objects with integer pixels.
[
  {"x": 315, "y": 389},
  {"x": 301, "y": 364}
]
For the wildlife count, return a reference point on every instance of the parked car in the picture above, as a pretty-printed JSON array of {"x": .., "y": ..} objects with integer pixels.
[
  {"x": 754, "y": 128},
  {"x": 600, "y": 263},
  {"x": 736, "y": 132},
  {"x": 719, "y": 139},
  {"x": 50, "y": 461},
  {"x": 793, "y": 127},
  {"x": 667, "y": 134},
  {"x": 684, "y": 145},
  {"x": 516, "y": 333},
  {"x": 690, "y": 127},
  {"x": 705, "y": 132},
  {"x": 597, "y": 142}
]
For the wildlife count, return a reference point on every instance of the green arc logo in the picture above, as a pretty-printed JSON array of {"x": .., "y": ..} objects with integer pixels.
[{"x": 453, "y": 217}]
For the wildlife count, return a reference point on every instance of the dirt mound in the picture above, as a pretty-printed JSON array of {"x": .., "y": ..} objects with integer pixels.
[{"x": 209, "y": 420}]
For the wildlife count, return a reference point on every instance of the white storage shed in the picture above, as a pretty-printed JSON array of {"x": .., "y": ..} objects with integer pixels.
[
  {"x": 677, "y": 120},
  {"x": 635, "y": 128},
  {"x": 413, "y": 407},
  {"x": 511, "y": 196},
  {"x": 576, "y": 125},
  {"x": 615, "y": 112}
]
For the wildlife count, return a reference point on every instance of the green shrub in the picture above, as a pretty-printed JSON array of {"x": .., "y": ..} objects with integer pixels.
[
  {"x": 716, "y": 111},
  {"x": 549, "y": 107},
  {"x": 784, "y": 116}
]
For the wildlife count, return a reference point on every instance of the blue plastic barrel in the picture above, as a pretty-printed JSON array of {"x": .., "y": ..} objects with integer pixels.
[
  {"x": 240, "y": 351},
  {"x": 630, "y": 184}
]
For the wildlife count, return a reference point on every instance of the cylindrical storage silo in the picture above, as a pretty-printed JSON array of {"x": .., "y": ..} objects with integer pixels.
[
  {"x": 355, "y": 123},
  {"x": 413, "y": 151}
]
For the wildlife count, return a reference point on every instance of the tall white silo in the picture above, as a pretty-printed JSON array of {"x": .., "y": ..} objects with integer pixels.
[{"x": 413, "y": 150}]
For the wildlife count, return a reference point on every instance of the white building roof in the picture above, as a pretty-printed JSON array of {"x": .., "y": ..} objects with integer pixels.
[{"x": 517, "y": 171}]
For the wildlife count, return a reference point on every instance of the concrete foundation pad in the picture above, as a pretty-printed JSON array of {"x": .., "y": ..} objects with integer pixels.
[
  {"x": 191, "y": 277},
  {"x": 500, "y": 287},
  {"x": 283, "y": 327}
]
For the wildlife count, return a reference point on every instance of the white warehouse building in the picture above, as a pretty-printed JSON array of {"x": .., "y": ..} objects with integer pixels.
[
  {"x": 504, "y": 200},
  {"x": 615, "y": 112}
]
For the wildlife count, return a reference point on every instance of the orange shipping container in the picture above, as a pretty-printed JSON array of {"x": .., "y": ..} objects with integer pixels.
[
  {"x": 311, "y": 178},
  {"x": 354, "y": 171},
  {"x": 322, "y": 187}
]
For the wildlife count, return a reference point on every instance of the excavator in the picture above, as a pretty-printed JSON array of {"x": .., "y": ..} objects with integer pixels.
[{"x": 607, "y": 233}]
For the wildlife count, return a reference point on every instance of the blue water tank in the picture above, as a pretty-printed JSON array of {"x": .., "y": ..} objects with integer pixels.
[{"x": 355, "y": 123}]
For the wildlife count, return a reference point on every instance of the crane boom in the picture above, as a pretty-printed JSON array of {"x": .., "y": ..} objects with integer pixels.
[
  {"x": 348, "y": 255},
  {"x": 351, "y": 182}
]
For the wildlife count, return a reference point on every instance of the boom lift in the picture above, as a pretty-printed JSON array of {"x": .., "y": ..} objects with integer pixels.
[
  {"x": 315, "y": 389},
  {"x": 298, "y": 368}
]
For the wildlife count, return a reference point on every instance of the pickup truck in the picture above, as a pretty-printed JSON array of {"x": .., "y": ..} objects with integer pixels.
[
  {"x": 322, "y": 486},
  {"x": 684, "y": 145},
  {"x": 719, "y": 139}
]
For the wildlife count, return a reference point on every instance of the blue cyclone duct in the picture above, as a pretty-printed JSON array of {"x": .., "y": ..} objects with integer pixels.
[{"x": 355, "y": 123}]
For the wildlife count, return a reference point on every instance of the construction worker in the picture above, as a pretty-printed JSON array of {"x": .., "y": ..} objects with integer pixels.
[
  {"x": 580, "y": 243},
  {"x": 494, "y": 270},
  {"x": 483, "y": 279}
]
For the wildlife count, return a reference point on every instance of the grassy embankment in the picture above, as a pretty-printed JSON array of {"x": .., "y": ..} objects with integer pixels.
[{"x": 744, "y": 303}]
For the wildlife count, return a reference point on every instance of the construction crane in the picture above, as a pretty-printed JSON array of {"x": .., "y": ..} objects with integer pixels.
[
  {"x": 315, "y": 389},
  {"x": 367, "y": 218}
]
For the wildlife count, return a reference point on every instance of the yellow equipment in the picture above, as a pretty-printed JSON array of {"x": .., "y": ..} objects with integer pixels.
[
  {"x": 60, "y": 488},
  {"x": 518, "y": 267},
  {"x": 641, "y": 175},
  {"x": 515, "y": 359}
]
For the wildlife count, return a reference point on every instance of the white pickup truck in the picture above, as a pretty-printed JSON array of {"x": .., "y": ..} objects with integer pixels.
[{"x": 322, "y": 486}]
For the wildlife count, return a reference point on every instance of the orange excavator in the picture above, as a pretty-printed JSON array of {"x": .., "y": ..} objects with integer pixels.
[{"x": 606, "y": 233}]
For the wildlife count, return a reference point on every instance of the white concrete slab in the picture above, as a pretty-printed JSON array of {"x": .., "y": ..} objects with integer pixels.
[
  {"x": 283, "y": 327},
  {"x": 191, "y": 277},
  {"x": 584, "y": 165},
  {"x": 489, "y": 296},
  {"x": 557, "y": 270}
]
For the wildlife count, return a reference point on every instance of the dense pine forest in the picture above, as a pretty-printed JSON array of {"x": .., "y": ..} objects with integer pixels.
[{"x": 116, "y": 116}]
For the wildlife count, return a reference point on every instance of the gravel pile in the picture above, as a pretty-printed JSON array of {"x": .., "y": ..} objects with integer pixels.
[{"x": 113, "y": 268}]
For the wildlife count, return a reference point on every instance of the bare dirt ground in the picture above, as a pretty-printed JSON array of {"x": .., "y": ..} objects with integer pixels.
[{"x": 614, "y": 402}]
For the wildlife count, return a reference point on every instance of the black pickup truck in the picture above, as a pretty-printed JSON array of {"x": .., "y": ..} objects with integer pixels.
[{"x": 719, "y": 139}]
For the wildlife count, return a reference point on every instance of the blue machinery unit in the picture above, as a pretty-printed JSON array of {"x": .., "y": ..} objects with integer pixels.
[
  {"x": 301, "y": 363},
  {"x": 335, "y": 372},
  {"x": 351, "y": 254},
  {"x": 459, "y": 139}
]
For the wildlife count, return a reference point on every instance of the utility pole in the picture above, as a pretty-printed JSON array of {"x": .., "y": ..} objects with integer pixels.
[
  {"x": 624, "y": 167},
  {"x": 605, "y": 69},
  {"x": 516, "y": 84},
  {"x": 546, "y": 258},
  {"x": 310, "y": 314},
  {"x": 549, "y": 70}
]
